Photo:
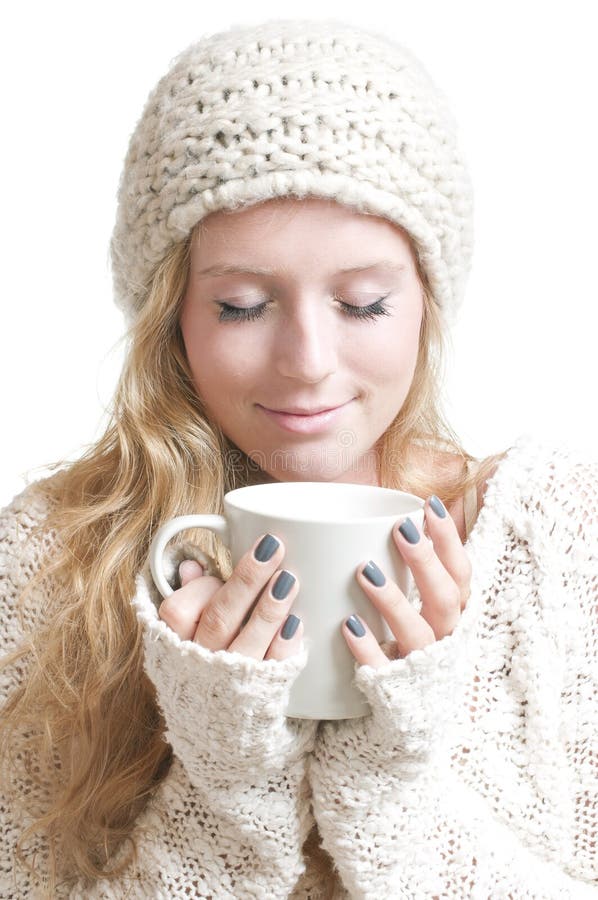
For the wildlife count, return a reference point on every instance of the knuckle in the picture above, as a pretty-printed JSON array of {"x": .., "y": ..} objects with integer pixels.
[
  {"x": 213, "y": 621},
  {"x": 170, "y": 608},
  {"x": 206, "y": 587},
  {"x": 393, "y": 605},
  {"x": 464, "y": 571},
  {"x": 245, "y": 573},
  {"x": 451, "y": 600},
  {"x": 251, "y": 574},
  {"x": 171, "y": 616},
  {"x": 395, "y": 602},
  {"x": 164, "y": 611},
  {"x": 270, "y": 612},
  {"x": 176, "y": 615},
  {"x": 427, "y": 553},
  {"x": 189, "y": 598}
]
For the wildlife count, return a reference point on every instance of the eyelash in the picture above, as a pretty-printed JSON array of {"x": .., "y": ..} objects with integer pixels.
[{"x": 230, "y": 313}]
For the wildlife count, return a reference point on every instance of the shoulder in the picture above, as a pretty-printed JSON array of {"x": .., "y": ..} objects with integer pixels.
[
  {"x": 540, "y": 472},
  {"x": 546, "y": 492},
  {"x": 565, "y": 485},
  {"x": 533, "y": 482},
  {"x": 21, "y": 521},
  {"x": 556, "y": 475},
  {"x": 26, "y": 508},
  {"x": 23, "y": 543},
  {"x": 557, "y": 523}
]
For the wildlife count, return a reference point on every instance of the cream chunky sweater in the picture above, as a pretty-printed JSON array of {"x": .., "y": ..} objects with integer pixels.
[{"x": 476, "y": 776}]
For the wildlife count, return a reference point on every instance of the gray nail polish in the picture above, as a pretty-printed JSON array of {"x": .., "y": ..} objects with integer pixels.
[
  {"x": 283, "y": 585},
  {"x": 290, "y": 627},
  {"x": 438, "y": 506},
  {"x": 355, "y": 626},
  {"x": 373, "y": 574},
  {"x": 409, "y": 531},
  {"x": 266, "y": 548}
]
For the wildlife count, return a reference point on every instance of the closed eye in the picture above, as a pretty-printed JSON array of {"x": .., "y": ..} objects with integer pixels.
[{"x": 230, "y": 313}]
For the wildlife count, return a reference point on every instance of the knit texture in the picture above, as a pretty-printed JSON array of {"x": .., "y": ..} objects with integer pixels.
[
  {"x": 475, "y": 776},
  {"x": 298, "y": 108}
]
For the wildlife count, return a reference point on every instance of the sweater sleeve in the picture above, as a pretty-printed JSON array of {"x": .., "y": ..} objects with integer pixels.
[
  {"x": 394, "y": 813},
  {"x": 395, "y": 816},
  {"x": 230, "y": 817},
  {"x": 224, "y": 711}
]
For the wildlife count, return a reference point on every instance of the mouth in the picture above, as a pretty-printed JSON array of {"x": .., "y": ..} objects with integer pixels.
[
  {"x": 300, "y": 411},
  {"x": 305, "y": 421}
]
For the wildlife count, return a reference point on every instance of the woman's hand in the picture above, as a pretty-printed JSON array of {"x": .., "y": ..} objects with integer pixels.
[
  {"x": 442, "y": 572},
  {"x": 212, "y": 612}
]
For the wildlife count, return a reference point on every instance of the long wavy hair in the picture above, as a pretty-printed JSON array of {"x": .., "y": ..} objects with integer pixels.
[{"x": 84, "y": 716}]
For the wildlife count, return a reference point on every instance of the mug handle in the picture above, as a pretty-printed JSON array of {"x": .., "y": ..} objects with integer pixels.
[{"x": 215, "y": 523}]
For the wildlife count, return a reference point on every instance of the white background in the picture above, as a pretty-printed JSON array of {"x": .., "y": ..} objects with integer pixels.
[{"x": 521, "y": 77}]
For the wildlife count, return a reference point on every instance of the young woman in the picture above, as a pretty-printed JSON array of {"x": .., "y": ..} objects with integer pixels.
[{"x": 293, "y": 237}]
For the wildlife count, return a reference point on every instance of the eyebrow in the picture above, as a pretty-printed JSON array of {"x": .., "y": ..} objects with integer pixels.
[{"x": 387, "y": 264}]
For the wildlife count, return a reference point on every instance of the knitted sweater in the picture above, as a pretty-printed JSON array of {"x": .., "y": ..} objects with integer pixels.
[{"x": 475, "y": 776}]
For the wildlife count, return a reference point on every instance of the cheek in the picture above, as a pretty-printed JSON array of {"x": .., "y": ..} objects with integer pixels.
[
  {"x": 219, "y": 357},
  {"x": 391, "y": 354}
]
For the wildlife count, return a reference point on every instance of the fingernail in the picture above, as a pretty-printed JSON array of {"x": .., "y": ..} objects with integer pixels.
[
  {"x": 189, "y": 567},
  {"x": 290, "y": 627},
  {"x": 409, "y": 531},
  {"x": 373, "y": 574},
  {"x": 355, "y": 626},
  {"x": 266, "y": 548},
  {"x": 438, "y": 506},
  {"x": 283, "y": 585}
]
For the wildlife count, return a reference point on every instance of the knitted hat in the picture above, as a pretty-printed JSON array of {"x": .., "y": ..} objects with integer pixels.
[{"x": 294, "y": 107}]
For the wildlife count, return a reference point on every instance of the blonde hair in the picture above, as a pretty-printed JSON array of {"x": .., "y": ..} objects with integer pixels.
[{"x": 85, "y": 718}]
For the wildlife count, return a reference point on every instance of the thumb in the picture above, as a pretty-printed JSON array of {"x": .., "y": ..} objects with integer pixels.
[{"x": 189, "y": 569}]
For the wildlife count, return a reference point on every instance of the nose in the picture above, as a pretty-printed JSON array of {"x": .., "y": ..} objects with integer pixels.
[{"x": 306, "y": 345}]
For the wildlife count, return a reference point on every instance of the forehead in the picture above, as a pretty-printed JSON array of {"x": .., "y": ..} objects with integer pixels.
[{"x": 286, "y": 225}]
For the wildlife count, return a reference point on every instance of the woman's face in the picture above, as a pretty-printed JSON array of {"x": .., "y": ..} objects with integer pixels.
[{"x": 294, "y": 335}]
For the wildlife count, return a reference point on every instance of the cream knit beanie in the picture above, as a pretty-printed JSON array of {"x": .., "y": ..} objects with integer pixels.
[{"x": 294, "y": 107}]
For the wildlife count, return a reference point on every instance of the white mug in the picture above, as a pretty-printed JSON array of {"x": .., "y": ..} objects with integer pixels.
[{"x": 327, "y": 528}]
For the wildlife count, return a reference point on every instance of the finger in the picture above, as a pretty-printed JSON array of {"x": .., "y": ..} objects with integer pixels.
[
  {"x": 188, "y": 570},
  {"x": 411, "y": 631},
  {"x": 221, "y": 620},
  {"x": 362, "y": 643},
  {"x": 182, "y": 609},
  {"x": 440, "y": 594},
  {"x": 447, "y": 544},
  {"x": 268, "y": 617},
  {"x": 288, "y": 640}
]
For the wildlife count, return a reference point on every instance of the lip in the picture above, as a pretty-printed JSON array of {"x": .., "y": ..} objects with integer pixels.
[
  {"x": 301, "y": 411},
  {"x": 302, "y": 423}
]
